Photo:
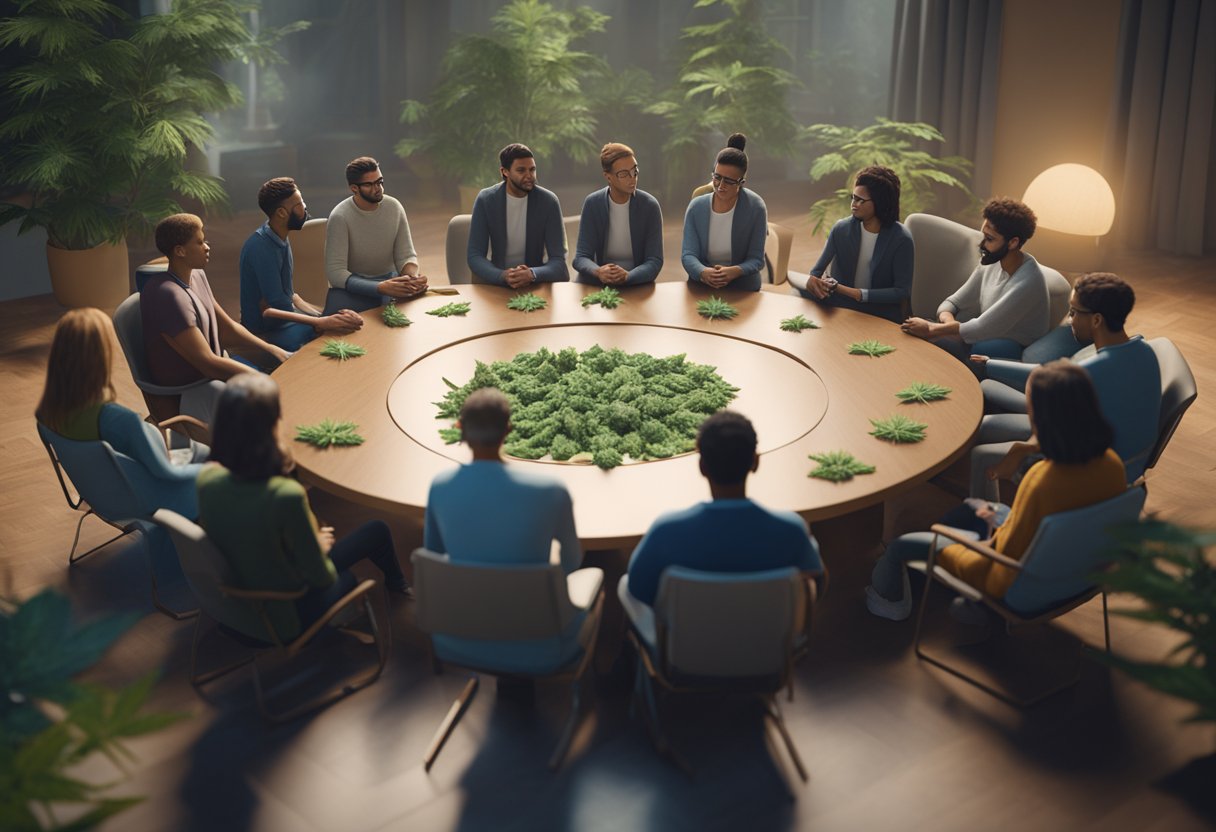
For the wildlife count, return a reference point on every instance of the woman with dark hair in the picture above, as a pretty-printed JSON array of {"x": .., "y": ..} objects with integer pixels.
[
  {"x": 260, "y": 518},
  {"x": 724, "y": 231},
  {"x": 78, "y": 403},
  {"x": 870, "y": 252},
  {"x": 1079, "y": 470}
]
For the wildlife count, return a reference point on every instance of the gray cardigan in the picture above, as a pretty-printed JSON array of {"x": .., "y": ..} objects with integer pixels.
[
  {"x": 545, "y": 234},
  {"x": 645, "y": 232},
  {"x": 747, "y": 235}
]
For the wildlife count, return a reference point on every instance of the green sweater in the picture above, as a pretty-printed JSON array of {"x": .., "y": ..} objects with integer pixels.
[{"x": 268, "y": 534}]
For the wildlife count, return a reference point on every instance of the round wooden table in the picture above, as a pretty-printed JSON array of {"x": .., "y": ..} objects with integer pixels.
[{"x": 803, "y": 391}]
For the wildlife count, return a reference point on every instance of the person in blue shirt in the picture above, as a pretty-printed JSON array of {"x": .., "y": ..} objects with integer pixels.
[
  {"x": 270, "y": 307},
  {"x": 730, "y": 533}
]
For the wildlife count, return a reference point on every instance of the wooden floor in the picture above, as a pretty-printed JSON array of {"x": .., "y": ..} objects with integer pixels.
[{"x": 889, "y": 743}]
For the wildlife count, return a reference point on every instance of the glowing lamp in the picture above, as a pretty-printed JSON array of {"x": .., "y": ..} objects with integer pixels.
[{"x": 1073, "y": 199}]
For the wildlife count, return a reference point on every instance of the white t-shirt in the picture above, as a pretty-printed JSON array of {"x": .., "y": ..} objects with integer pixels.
[
  {"x": 861, "y": 278},
  {"x": 517, "y": 230},
  {"x": 720, "y": 226},
  {"x": 619, "y": 246}
]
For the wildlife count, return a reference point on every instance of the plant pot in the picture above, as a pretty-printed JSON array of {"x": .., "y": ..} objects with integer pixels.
[{"x": 97, "y": 276}]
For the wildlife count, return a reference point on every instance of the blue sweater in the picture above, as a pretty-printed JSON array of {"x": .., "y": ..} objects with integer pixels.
[
  {"x": 890, "y": 267},
  {"x": 747, "y": 235},
  {"x": 545, "y": 234},
  {"x": 266, "y": 268},
  {"x": 645, "y": 232}
]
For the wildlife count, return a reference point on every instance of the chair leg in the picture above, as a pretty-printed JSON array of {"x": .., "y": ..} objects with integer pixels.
[
  {"x": 1105, "y": 622},
  {"x": 176, "y": 615},
  {"x": 197, "y": 680},
  {"x": 449, "y": 722},
  {"x": 572, "y": 720},
  {"x": 74, "y": 558},
  {"x": 772, "y": 711}
]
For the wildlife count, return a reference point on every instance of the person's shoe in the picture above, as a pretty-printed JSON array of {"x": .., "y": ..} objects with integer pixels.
[
  {"x": 400, "y": 586},
  {"x": 890, "y": 610},
  {"x": 969, "y": 613}
]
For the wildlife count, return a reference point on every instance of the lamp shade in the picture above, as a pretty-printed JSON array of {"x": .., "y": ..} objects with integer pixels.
[{"x": 1072, "y": 198}]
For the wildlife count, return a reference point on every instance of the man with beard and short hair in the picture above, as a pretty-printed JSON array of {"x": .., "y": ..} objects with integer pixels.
[
  {"x": 1004, "y": 305},
  {"x": 515, "y": 224},
  {"x": 270, "y": 307},
  {"x": 369, "y": 254}
]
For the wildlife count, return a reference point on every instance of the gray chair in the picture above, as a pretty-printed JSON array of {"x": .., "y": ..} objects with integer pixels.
[
  {"x": 457, "y": 249},
  {"x": 308, "y": 256},
  {"x": 509, "y": 604},
  {"x": 1055, "y": 575},
  {"x": 1178, "y": 392},
  {"x": 726, "y": 632},
  {"x": 946, "y": 255},
  {"x": 243, "y": 612}
]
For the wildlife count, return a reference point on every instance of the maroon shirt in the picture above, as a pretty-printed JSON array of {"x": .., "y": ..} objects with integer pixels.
[{"x": 168, "y": 308}]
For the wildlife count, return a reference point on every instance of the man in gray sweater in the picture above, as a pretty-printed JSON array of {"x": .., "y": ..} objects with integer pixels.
[
  {"x": 369, "y": 254},
  {"x": 1004, "y": 305}
]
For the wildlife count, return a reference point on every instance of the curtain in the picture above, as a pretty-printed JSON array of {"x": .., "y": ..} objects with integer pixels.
[
  {"x": 946, "y": 57},
  {"x": 1159, "y": 146}
]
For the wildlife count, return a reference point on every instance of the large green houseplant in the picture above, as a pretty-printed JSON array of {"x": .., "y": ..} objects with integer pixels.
[
  {"x": 100, "y": 114},
  {"x": 522, "y": 82}
]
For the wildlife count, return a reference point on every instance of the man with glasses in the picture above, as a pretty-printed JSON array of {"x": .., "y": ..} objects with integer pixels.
[
  {"x": 516, "y": 234},
  {"x": 369, "y": 254},
  {"x": 270, "y": 307},
  {"x": 620, "y": 234},
  {"x": 1123, "y": 368}
]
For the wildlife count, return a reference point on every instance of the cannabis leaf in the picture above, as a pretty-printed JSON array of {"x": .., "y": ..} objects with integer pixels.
[
  {"x": 450, "y": 309},
  {"x": 607, "y": 297},
  {"x": 838, "y": 466},
  {"x": 341, "y": 350},
  {"x": 328, "y": 433},
  {"x": 714, "y": 307},
  {"x": 394, "y": 317},
  {"x": 870, "y": 347},
  {"x": 923, "y": 392},
  {"x": 527, "y": 302},
  {"x": 798, "y": 323},
  {"x": 898, "y": 428}
]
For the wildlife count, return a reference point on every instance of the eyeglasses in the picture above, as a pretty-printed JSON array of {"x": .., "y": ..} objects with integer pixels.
[
  {"x": 859, "y": 200},
  {"x": 375, "y": 183},
  {"x": 719, "y": 179},
  {"x": 1074, "y": 311},
  {"x": 632, "y": 173}
]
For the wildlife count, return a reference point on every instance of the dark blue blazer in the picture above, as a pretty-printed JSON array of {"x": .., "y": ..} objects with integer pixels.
[
  {"x": 545, "y": 234},
  {"x": 890, "y": 267},
  {"x": 645, "y": 232},
  {"x": 747, "y": 235}
]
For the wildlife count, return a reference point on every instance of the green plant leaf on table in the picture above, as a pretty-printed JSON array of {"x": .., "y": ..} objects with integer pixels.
[
  {"x": 715, "y": 308},
  {"x": 450, "y": 309},
  {"x": 341, "y": 350},
  {"x": 797, "y": 324},
  {"x": 328, "y": 433},
  {"x": 838, "y": 466},
  {"x": 923, "y": 392},
  {"x": 394, "y": 317},
  {"x": 608, "y": 297},
  {"x": 870, "y": 347},
  {"x": 899, "y": 429},
  {"x": 527, "y": 302}
]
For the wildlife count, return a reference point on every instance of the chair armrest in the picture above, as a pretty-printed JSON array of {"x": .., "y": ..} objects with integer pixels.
[
  {"x": 957, "y": 584},
  {"x": 162, "y": 390},
  {"x": 976, "y": 546},
  {"x": 180, "y": 419},
  {"x": 263, "y": 594},
  {"x": 583, "y": 586},
  {"x": 345, "y": 601}
]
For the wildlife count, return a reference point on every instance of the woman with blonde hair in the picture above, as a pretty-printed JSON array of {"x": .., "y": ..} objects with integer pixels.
[{"x": 78, "y": 404}]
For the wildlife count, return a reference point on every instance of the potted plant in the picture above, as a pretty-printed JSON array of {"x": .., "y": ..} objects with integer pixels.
[
  {"x": 520, "y": 83},
  {"x": 100, "y": 115}
]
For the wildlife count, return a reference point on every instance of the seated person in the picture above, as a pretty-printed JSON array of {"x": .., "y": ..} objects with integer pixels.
[
  {"x": 516, "y": 235},
  {"x": 871, "y": 253},
  {"x": 78, "y": 403},
  {"x": 1080, "y": 469},
  {"x": 724, "y": 232},
  {"x": 270, "y": 307},
  {"x": 620, "y": 233},
  {"x": 369, "y": 253},
  {"x": 1004, "y": 305},
  {"x": 491, "y": 512},
  {"x": 185, "y": 329},
  {"x": 730, "y": 533},
  {"x": 1124, "y": 371},
  {"x": 260, "y": 520}
]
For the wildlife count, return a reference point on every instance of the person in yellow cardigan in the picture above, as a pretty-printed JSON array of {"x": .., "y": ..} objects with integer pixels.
[{"x": 1079, "y": 469}]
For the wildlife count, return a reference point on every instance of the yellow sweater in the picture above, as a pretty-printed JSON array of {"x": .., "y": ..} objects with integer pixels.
[{"x": 1048, "y": 487}]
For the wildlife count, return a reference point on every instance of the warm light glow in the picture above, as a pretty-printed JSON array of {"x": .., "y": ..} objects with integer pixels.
[{"x": 1073, "y": 199}]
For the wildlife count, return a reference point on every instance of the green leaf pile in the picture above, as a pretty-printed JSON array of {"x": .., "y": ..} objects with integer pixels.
[
  {"x": 606, "y": 403},
  {"x": 923, "y": 392},
  {"x": 527, "y": 302},
  {"x": 394, "y": 317},
  {"x": 797, "y": 324},
  {"x": 329, "y": 432},
  {"x": 607, "y": 297},
  {"x": 870, "y": 347},
  {"x": 898, "y": 428},
  {"x": 714, "y": 308},
  {"x": 838, "y": 466},
  {"x": 450, "y": 309},
  {"x": 341, "y": 350}
]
